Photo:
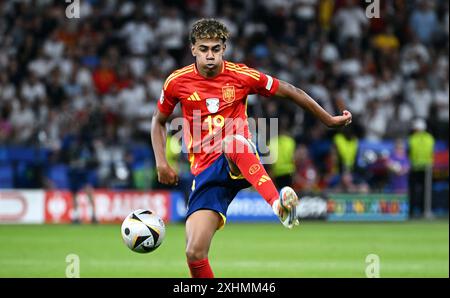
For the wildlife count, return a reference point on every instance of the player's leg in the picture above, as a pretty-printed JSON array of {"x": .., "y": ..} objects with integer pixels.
[
  {"x": 200, "y": 229},
  {"x": 242, "y": 160}
]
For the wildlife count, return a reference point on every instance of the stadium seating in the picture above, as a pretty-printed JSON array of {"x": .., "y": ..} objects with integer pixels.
[
  {"x": 6, "y": 176},
  {"x": 59, "y": 175}
]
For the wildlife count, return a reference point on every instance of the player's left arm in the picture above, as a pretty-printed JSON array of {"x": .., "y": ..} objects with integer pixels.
[
  {"x": 266, "y": 85},
  {"x": 299, "y": 97}
]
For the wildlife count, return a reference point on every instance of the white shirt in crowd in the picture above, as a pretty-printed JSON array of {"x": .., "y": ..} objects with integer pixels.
[
  {"x": 350, "y": 21},
  {"x": 137, "y": 66},
  {"x": 33, "y": 91},
  {"x": 350, "y": 67},
  {"x": 421, "y": 101},
  {"x": 171, "y": 31},
  {"x": 7, "y": 91},
  {"x": 441, "y": 99},
  {"x": 364, "y": 82},
  {"x": 321, "y": 94},
  {"x": 139, "y": 36},
  {"x": 154, "y": 87},
  {"x": 132, "y": 99},
  {"x": 23, "y": 120},
  {"x": 305, "y": 9},
  {"x": 41, "y": 66},
  {"x": 375, "y": 125},
  {"x": 84, "y": 77},
  {"x": 355, "y": 102},
  {"x": 53, "y": 48},
  {"x": 329, "y": 53}
]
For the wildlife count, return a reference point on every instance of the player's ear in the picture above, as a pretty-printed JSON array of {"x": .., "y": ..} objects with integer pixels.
[{"x": 193, "y": 50}]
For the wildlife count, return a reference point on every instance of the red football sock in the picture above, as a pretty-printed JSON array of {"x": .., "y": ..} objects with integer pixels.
[
  {"x": 252, "y": 169},
  {"x": 200, "y": 269}
]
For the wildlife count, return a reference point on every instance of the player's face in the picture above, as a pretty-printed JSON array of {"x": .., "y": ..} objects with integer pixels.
[{"x": 208, "y": 54}]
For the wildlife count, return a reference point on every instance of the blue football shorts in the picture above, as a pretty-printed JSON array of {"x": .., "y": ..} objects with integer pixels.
[{"x": 214, "y": 189}]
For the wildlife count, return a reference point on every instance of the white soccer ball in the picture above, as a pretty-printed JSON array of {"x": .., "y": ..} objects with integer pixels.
[{"x": 143, "y": 231}]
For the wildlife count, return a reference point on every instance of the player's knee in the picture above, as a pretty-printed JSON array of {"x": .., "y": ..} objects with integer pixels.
[
  {"x": 233, "y": 144},
  {"x": 227, "y": 143},
  {"x": 196, "y": 254}
]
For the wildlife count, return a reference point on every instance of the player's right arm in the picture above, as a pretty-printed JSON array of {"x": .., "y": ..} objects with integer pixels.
[
  {"x": 166, "y": 174},
  {"x": 166, "y": 105}
]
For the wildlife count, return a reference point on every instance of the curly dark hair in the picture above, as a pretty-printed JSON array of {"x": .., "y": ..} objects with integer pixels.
[{"x": 208, "y": 29}]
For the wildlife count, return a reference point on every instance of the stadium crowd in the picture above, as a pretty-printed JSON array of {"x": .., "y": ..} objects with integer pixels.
[{"x": 84, "y": 89}]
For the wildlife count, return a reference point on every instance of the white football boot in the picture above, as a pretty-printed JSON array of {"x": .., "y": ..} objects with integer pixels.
[{"x": 286, "y": 207}]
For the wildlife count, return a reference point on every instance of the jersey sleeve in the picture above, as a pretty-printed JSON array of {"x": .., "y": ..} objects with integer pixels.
[
  {"x": 167, "y": 101},
  {"x": 266, "y": 85}
]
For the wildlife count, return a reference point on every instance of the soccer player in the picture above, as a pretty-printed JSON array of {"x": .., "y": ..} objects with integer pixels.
[{"x": 213, "y": 94}]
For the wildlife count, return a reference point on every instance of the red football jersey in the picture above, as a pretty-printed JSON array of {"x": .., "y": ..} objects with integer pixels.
[{"x": 213, "y": 107}]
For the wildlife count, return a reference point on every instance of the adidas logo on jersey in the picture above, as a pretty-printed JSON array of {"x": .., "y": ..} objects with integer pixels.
[{"x": 194, "y": 97}]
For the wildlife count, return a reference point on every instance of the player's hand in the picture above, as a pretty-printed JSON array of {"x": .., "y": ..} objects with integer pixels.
[
  {"x": 343, "y": 120},
  {"x": 166, "y": 175}
]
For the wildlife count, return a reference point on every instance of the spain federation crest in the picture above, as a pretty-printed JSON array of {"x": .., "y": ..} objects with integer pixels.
[{"x": 228, "y": 93}]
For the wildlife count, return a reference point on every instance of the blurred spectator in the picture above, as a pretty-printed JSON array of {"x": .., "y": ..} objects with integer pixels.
[
  {"x": 424, "y": 22},
  {"x": 139, "y": 33},
  {"x": 421, "y": 99},
  {"x": 354, "y": 99},
  {"x": 401, "y": 118},
  {"x": 350, "y": 21},
  {"x": 399, "y": 166},
  {"x": 439, "y": 123},
  {"x": 331, "y": 177},
  {"x": 386, "y": 42},
  {"x": 23, "y": 120},
  {"x": 421, "y": 146},
  {"x": 55, "y": 90},
  {"x": 171, "y": 31},
  {"x": 283, "y": 147},
  {"x": 7, "y": 89},
  {"x": 351, "y": 64},
  {"x": 104, "y": 77},
  {"x": 374, "y": 121},
  {"x": 306, "y": 177},
  {"x": 415, "y": 58},
  {"x": 327, "y": 51},
  {"x": 33, "y": 89},
  {"x": 6, "y": 128},
  {"x": 350, "y": 183},
  {"x": 53, "y": 48},
  {"x": 346, "y": 144},
  {"x": 173, "y": 152},
  {"x": 131, "y": 99},
  {"x": 325, "y": 13},
  {"x": 41, "y": 65}
]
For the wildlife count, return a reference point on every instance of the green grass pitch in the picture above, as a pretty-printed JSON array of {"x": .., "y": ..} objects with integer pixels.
[{"x": 315, "y": 249}]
